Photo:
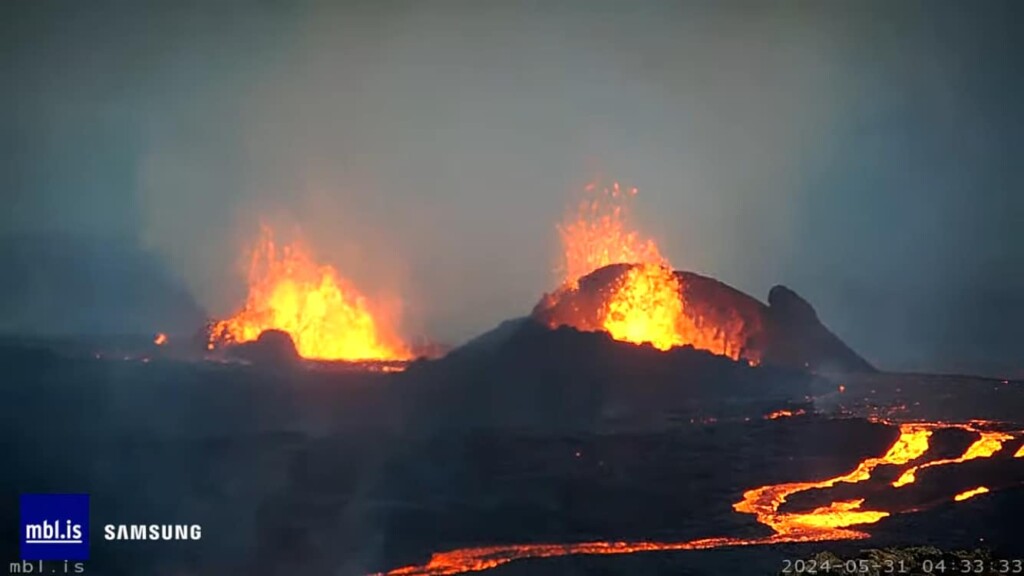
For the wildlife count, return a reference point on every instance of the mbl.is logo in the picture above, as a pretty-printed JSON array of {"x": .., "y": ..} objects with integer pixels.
[{"x": 54, "y": 526}]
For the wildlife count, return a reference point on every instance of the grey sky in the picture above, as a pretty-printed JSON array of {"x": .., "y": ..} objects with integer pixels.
[{"x": 864, "y": 153}]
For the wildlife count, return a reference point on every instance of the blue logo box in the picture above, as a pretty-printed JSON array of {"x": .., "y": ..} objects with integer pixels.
[{"x": 54, "y": 527}]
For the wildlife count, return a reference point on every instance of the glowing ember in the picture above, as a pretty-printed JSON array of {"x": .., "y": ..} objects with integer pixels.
[
  {"x": 829, "y": 522},
  {"x": 160, "y": 339},
  {"x": 970, "y": 494},
  {"x": 326, "y": 317}
]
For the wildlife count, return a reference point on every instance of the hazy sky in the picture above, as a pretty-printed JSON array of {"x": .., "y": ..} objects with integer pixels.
[{"x": 867, "y": 154}]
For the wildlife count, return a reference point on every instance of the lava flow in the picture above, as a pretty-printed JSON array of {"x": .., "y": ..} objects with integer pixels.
[
  {"x": 647, "y": 303},
  {"x": 987, "y": 444},
  {"x": 831, "y": 522},
  {"x": 325, "y": 316},
  {"x": 970, "y": 494}
]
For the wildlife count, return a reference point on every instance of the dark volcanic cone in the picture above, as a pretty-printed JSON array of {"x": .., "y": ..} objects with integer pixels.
[
  {"x": 795, "y": 337},
  {"x": 785, "y": 332},
  {"x": 525, "y": 376}
]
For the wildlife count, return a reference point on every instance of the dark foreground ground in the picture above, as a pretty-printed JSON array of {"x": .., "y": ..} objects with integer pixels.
[{"x": 298, "y": 471}]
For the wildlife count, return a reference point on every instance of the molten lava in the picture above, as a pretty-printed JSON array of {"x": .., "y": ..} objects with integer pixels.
[
  {"x": 647, "y": 303},
  {"x": 599, "y": 234},
  {"x": 785, "y": 414},
  {"x": 325, "y": 315},
  {"x": 160, "y": 339},
  {"x": 764, "y": 502},
  {"x": 970, "y": 494},
  {"x": 647, "y": 308},
  {"x": 987, "y": 444},
  {"x": 830, "y": 522}
]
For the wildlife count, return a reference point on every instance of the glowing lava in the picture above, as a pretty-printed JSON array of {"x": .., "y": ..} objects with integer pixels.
[
  {"x": 830, "y": 522},
  {"x": 987, "y": 444},
  {"x": 160, "y": 339},
  {"x": 647, "y": 302},
  {"x": 647, "y": 308},
  {"x": 970, "y": 494},
  {"x": 326, "y": 316},
  {"x": 764, "y": 502},
  {"x": 599, "y": 234},
  {"x": 1020, "y": 452},
  {"x": 785, "y": 414}
]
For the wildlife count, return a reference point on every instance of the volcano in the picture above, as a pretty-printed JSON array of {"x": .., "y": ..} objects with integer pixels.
[
  {"x": 615, "y": 279},
  {"x": 713, "y": 316},
  {"x": 322, "y": 313}
]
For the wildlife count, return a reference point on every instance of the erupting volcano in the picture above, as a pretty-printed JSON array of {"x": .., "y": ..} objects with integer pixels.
[
  {"x": 326, "y": 317},
  {"x": 617, "y": 281},
  {"x": 646, "y": 303}
]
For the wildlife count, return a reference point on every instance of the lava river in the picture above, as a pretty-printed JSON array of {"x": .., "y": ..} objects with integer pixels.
[{"x": 835, "y": 521}]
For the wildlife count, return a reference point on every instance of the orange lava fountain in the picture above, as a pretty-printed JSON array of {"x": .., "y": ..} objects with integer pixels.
[
  {"x": 648, "y": 303},
  {"x": 598, "y": 234},
  {"x": 325, "y": 315},
  {"x": 831, "y": 522},
  {"x": 647, "y": 306}
]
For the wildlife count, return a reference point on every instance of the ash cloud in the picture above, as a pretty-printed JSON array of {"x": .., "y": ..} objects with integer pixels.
[{"x": 862, "y": 153}]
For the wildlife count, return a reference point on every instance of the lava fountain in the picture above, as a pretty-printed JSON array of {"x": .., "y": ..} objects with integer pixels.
[
  {"x": 647, "y": 304},
  {"x": 599, "y": 234},
  {"x": 325, "y": 315},
  {"x": 647, "y": 307}
]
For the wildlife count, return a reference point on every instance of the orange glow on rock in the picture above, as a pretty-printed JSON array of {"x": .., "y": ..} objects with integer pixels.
[{"x": 325, "y": 315}]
